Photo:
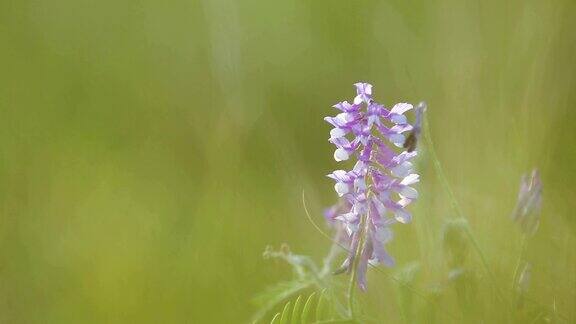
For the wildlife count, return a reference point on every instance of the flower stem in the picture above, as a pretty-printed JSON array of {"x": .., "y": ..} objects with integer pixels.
[
  {"x": 439, "y": 170},
  {"x": 456, "y": 206},
  {"x": 355, "y": 262},
  {"x": 519, "y": 262}
]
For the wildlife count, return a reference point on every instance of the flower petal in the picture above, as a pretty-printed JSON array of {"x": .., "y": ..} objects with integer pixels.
[
  {"x": 401, "y": 108},
  {"x": 341, "y": 188},
  {"x": 341, "y": 155},
  {"x": 402, "y": 216}
]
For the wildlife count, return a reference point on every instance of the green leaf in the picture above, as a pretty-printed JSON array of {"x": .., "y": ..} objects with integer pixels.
[
  {"x": 296, "y": 312},
  {"x": 321, "y": 307},
  {"x": 276, "y": 319},
  {"x": 307, "y": 308},
  {"x": 273, "y": 296},
  {"x": 285, "y": 313}
]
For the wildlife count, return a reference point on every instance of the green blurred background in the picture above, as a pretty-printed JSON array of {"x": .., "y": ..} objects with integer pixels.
[{"x": 150, "y": 150}]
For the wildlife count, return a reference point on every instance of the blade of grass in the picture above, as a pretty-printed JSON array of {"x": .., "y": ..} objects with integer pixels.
[{"x": 457, "y": 209}]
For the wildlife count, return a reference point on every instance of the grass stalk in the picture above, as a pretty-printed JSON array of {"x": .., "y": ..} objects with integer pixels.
[
  {"x": 521, "y": 257},
  {"x": 456, "y": 206}
]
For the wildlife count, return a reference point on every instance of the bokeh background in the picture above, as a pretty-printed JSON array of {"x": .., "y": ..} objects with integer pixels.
[{"x": 150, "y": 150}]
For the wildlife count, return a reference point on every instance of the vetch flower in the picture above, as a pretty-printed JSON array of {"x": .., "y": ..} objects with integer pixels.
[
  {"x": 374, "y": 194},
  {"x": 527, "y": 210}
]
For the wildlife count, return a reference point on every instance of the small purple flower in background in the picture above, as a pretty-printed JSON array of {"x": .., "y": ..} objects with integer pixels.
[
  {"x": 527, "y": 215},
  {"x": 375, "y": 193},
  {"x": 527, "y": 210}
]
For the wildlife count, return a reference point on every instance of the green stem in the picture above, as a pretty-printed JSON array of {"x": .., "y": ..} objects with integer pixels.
[
  {"x": 456, "y": 206},
  {"x": 439, "y": 170},
  {"x": 484, "y": 262},
  {"x": 355, "y": 262},
  {"x": 519, "y": 262}
]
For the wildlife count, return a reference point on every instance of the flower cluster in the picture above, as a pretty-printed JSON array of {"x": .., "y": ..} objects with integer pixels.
[{"x": 375, "y": 193}]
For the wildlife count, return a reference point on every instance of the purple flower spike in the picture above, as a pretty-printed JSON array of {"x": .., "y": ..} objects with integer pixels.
[
  {"x": 378, "y": 189},
  {"x": 527, "y": 210}
]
